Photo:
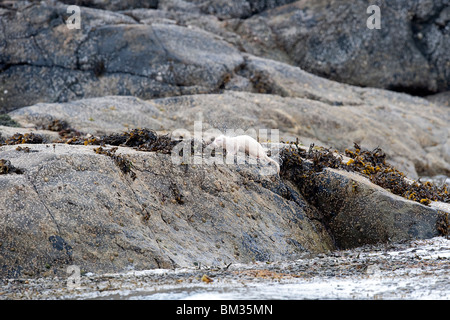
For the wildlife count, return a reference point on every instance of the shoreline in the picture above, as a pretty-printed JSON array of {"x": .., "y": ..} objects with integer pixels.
[{"x": 408, "y": 270}]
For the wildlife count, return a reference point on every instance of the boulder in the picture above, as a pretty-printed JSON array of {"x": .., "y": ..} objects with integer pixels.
[
  {"x": 43, "y": 60},
  {"x": 112, "y": 210},
  {"x": 72, "y": 205},
  {"x": 330, "y": 38},
  {"x": 359, "y": 213}
]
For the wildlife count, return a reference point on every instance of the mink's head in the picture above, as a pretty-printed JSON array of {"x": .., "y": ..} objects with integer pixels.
[{"x": 219, "y": 141}]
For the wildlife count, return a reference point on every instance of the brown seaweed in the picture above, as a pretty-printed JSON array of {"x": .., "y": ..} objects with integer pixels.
[
  {"x": 6, "y": 167},
  {"x": 124, "y": 164},
  {"x": 19, "y": 138},
  {"x": 371, "y": 164}
]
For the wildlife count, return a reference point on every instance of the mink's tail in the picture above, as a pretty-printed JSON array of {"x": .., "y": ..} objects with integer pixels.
[{"x": 276, "y": 164}]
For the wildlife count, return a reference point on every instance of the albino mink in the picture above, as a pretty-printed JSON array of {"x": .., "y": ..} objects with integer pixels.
[{"x": 245, "y": 144}]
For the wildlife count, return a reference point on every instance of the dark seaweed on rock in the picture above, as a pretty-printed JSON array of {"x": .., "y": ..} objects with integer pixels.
[
  {"x": 140, "y": 139},
  {"x": 134, "y": 138},
  {"x": 372, "y": 164},
  {"x": 292, "y": 159},
  {"x": 6, "y": 167},
  {"x": 163, "y": 144},
  {"x": 19, "y": 138},
  {"x": 63, "y": 129},
  {"x": 57, "y": 125},
  {"x": 323, "y": 157},
  {"x": 124, "y": 164}
]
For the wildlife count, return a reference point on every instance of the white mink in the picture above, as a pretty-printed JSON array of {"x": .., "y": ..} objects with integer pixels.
[{"x": 245, "y": 144}]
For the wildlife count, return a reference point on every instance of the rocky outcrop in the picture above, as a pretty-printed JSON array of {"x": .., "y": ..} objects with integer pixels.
[
  {"x": 412, "y": 131},
  {"x": 72, "y": 205},
  {"x": 360, "y": 213},
  {"x": 110, "y": 54},
  {"x": 76, "y": 205},
  {"x": 169, "y": 65},
  {"x": 151, "y": 53},
  {"x": 331, "y": 39},
  {"x": 172, "y": 48}
]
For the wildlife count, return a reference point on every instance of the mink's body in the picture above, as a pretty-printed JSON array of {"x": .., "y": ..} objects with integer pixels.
[{"x": 245, "y": 144}]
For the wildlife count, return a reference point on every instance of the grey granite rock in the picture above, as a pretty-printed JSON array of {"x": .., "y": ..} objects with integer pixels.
[{"x": 330, "y": 38}]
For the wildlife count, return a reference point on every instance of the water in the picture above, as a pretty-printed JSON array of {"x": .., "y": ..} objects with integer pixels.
[{"x": 417, "y": 269}]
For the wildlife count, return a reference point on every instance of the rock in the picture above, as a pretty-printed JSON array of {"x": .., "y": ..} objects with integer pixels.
[
  {"x": 412, "y": 131},
  {"x": 114, "y": 5},
  {"x": 226, "y": 66},
  {"x": 150, "y": 53},
  {"x": 73, "y": 206},
  {"x": 110, "y": 55},
  {"x": 281, "y": 79},
  {"x": 440, "y": 98},
  {"x": 359, "y": 213},
  {"x": 330, "y": 38},
  {"x": 98, "y": 116},
  {"x": 417, "y": 269}
]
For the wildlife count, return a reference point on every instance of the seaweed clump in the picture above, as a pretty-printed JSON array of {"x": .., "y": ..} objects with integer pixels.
[
  {"x": 323, "y": 157},
  {"x": 6, "y": 167},
  {"x": 320, "y": 157},
  {"x": 64, "y": 130},
  {"x": 140, "y": 139},
  {"x": 373, "y": 165},
  {"x": 19, "y": 138},
  {"x": 124, "y": 164}
]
